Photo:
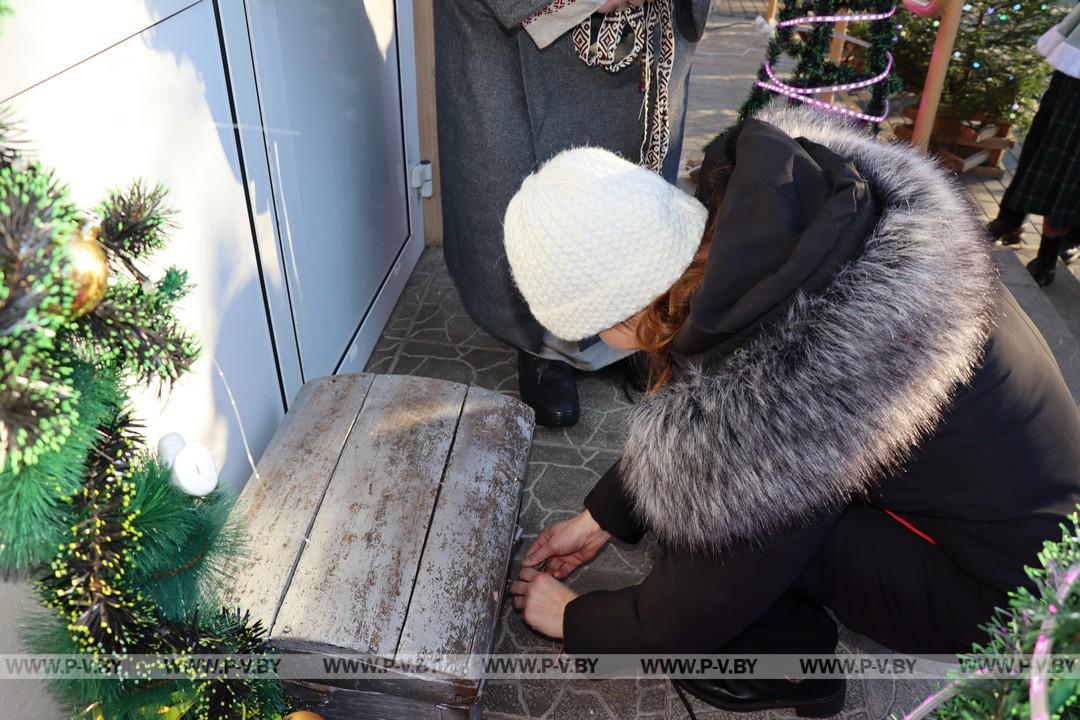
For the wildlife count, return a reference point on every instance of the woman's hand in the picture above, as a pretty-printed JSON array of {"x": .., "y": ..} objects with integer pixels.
[
  {"x": 567, "y": 545},
  {"x": 542, "y": 600}
]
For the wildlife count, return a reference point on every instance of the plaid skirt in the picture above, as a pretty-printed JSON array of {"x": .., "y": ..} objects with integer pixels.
[{"x": 1047, "y": 180}]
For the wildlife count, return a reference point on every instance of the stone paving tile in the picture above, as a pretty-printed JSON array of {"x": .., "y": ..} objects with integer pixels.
[
  {"x": 416, "y": 288},
  {"x": 442, "y": 318},
  {"x": 491, "y": 369},
  {"x": 739, "y": 8},
  {"x": 725, "y": 65}
]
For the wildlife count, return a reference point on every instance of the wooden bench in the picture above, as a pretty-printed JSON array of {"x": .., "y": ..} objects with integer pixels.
[{"x": 381, "y": 521}]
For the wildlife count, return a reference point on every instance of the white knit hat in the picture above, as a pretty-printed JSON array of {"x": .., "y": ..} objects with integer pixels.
[{"x": 593, "y": 239}]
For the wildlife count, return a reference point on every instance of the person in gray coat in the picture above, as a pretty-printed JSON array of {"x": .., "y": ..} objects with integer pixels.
[{"x": 505, "y": 106}]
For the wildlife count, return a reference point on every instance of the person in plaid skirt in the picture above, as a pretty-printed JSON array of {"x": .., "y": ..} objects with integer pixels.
[{"x": 1047, "y": 180}]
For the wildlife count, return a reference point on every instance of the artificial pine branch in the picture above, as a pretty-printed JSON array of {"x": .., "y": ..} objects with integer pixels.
[
  {"x": 35, "y": 216},
  {"x": 9, "y": 144},
  {"x": 809, "y": 50},
  {"x": 232, "y": 631},
  {"x": 33, "y": 515},
  {"x": 1014, "y": 631},
  {"x": 188, "y": 544},
  {"x": 134, "y": 225},
  {"x": 226, "y": 631},
  {"x": 36, "y": 397},
  {"x": 134, "y": 329},
  {"x": 69, "y": 459},
  {"x": 90, "y": 583}
]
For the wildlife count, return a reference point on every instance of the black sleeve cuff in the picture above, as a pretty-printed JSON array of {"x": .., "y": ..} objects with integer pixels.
[
  {"x": 610, "y": 507},
  {"x": 603, "y": 622}
]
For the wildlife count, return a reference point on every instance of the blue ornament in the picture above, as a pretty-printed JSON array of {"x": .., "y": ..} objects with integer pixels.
[
  {"x": 1017, "y": 6},
  {"x": 967, "y": 7},
  {"x": 1016, "y": 106},
  {"x": 976, "y": 64}
]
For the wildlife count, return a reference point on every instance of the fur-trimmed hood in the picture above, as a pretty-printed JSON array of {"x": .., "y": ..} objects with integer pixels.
[{"x": 838, "y": 388}]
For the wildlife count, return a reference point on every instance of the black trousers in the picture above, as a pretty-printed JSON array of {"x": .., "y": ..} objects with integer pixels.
[{"x": 881, "y": 580}]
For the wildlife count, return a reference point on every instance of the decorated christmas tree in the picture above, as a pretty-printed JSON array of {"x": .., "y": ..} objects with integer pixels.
[
  {"x": 1034, "y": 625},
  {"x": 798, "y": 65},
  {"x": 995, "y": 71},
  {"x": 124, "y": 561}
]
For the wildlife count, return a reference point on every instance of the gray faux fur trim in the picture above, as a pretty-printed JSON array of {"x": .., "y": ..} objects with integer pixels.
[{"x": 816, "y": 409}]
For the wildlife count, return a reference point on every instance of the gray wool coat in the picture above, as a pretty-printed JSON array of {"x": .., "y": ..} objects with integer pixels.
[{"x": 504, "y": 107}]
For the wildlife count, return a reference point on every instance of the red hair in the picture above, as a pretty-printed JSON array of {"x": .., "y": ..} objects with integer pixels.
[{"x": 664, "y": 316}]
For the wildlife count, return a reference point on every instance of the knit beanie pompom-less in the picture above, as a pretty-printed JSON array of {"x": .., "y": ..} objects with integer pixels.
[{"x": 592, "y": 239}]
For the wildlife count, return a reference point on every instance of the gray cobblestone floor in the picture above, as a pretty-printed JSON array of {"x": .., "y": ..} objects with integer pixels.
[
  {"x": 431, "y": 335},
  {"x": 738, "y": 8}
]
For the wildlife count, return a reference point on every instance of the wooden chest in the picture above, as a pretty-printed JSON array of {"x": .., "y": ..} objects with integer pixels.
[{"x": 381, "y": 521}]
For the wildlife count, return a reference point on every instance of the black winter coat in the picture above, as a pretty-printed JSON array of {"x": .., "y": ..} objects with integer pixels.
[{"x": 851, "y": 343}]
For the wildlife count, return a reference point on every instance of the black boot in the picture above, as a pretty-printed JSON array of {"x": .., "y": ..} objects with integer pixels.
[
  {"x": 635, "y": 376},
  {"x": 1006, "y": 230},
  {"x": 808, "y": 698},
  {"x": 1045, "y": 263},
  {"x": 549, "y": 388}
]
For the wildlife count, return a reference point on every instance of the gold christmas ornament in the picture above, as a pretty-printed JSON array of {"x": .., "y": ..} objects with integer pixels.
[
  {"x": 303, "y": 715},
  {"x": 88, "y": 270}
]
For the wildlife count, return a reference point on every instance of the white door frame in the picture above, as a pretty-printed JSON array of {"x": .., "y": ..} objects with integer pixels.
[{"x": 241, "y": 76}]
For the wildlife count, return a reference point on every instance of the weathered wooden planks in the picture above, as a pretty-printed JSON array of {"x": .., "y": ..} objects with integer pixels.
[
  {"x": 462, "y": 576},
  {"x": 337, "y": 703},
  {"x": 381, "y": 520},
  {"x": 279, "y": 504},
  {"x": 352, "y": 585}
]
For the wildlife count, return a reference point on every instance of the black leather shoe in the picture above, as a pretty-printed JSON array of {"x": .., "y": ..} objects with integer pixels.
[
  {"x": 549, "y": 388},
  {"x": 808, "y": 698},
  {"x": 1042, "y": 268},
  {"x": 1001, "y": 232}
]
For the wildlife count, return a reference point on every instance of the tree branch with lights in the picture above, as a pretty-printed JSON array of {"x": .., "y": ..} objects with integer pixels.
[
  {"x": 801, "y": 41},
  {"x": 125, "y": 562}
]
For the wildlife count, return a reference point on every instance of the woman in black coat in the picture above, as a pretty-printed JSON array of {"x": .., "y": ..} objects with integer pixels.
[{"x": 851, "y": 412}]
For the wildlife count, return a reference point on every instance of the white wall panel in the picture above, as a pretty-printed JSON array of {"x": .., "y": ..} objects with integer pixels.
[
  {"x": 156, "y": 107},
  {"x": 64, "y": 32},
  {"x": 328, "y": 80}
]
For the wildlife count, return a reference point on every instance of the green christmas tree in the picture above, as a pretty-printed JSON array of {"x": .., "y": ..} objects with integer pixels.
[
  {"x": 807, "y": 45},
  {"x": 1046, "y": 620},
  {"x": 124, "y": 562},
  {"x": 995, "y": 70}
]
